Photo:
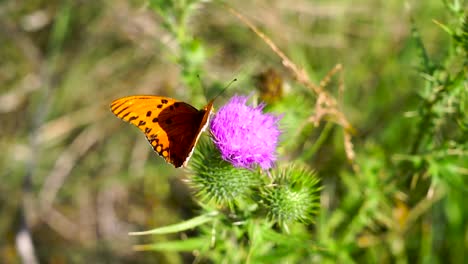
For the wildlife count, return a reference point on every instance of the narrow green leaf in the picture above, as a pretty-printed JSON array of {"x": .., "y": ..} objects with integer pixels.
[
  {"x": 61, "y": 27},
  {"x": 178, "y": 245},
  {"x": 444, "y": 27},
  {"x": 182, "y": 226}
]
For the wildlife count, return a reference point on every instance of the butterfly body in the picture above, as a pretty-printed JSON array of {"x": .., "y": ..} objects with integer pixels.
[{"x": 172, "y": 127}]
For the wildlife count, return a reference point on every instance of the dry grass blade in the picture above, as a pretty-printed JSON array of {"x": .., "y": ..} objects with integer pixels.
[
  {"x": 326, "y": 105},
  {"x": 298, "y": 72}
]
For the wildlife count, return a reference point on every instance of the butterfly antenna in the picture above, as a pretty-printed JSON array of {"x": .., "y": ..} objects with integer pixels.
[{"x": 225, "y": 88}]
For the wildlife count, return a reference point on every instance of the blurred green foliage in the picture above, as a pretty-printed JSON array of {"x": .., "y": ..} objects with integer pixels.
[{"x": 81, "y": 179}]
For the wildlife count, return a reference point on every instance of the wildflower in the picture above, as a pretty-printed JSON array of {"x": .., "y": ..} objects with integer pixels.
[{"x": 244, "y": 135}]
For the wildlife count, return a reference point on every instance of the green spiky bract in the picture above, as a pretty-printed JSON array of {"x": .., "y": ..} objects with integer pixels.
[
  {"x": 293, "y": 196},
  {"x": 216, "y": 180}
]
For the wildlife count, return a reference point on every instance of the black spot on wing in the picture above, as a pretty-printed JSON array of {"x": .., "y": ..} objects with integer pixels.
[
  {"x": 126, "y": 114},
  {"x": 117, "y": 105},
  {"x": 125, "y": 108}
]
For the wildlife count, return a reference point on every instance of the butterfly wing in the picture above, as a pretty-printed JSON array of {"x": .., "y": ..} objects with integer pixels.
[{"x": 172, "y": 127}]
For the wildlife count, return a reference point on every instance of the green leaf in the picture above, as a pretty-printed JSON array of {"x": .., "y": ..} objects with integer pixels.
[
  {"x": 182, "y": 226},
  {"x": 444, "y": 27},
  {"x": 178, "y": 245}
]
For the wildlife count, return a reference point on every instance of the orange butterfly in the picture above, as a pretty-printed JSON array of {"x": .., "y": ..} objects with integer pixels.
[{"x": 172, "y": 127}]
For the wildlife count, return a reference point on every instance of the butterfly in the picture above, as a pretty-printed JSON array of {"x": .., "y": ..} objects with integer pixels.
[{"x": 172, "y": 127}]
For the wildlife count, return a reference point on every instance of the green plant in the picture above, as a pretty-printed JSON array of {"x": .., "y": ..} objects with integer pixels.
[{"x": 248, "y": 216}]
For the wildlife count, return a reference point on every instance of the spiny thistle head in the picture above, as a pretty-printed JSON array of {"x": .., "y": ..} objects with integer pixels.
[
  {"x": 293, "y": 196},
  {"x": 245, "y": 135},
  {"x": 215, "y": 179}
]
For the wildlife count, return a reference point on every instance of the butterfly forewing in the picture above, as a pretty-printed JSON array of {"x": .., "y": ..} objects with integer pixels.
[{"x": 171, "y": 127}]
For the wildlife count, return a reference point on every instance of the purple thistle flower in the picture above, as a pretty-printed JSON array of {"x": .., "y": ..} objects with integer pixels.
[{"x": 244, "y": 135}]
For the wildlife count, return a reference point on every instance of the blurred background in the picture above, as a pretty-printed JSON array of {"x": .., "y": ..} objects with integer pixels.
[{"x": 76, "y": 180}]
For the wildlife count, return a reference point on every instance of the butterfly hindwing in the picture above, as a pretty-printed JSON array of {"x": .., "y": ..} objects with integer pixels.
[
  {"x": 171, "y": 127},
  {"x": 182, "y": 125}
]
